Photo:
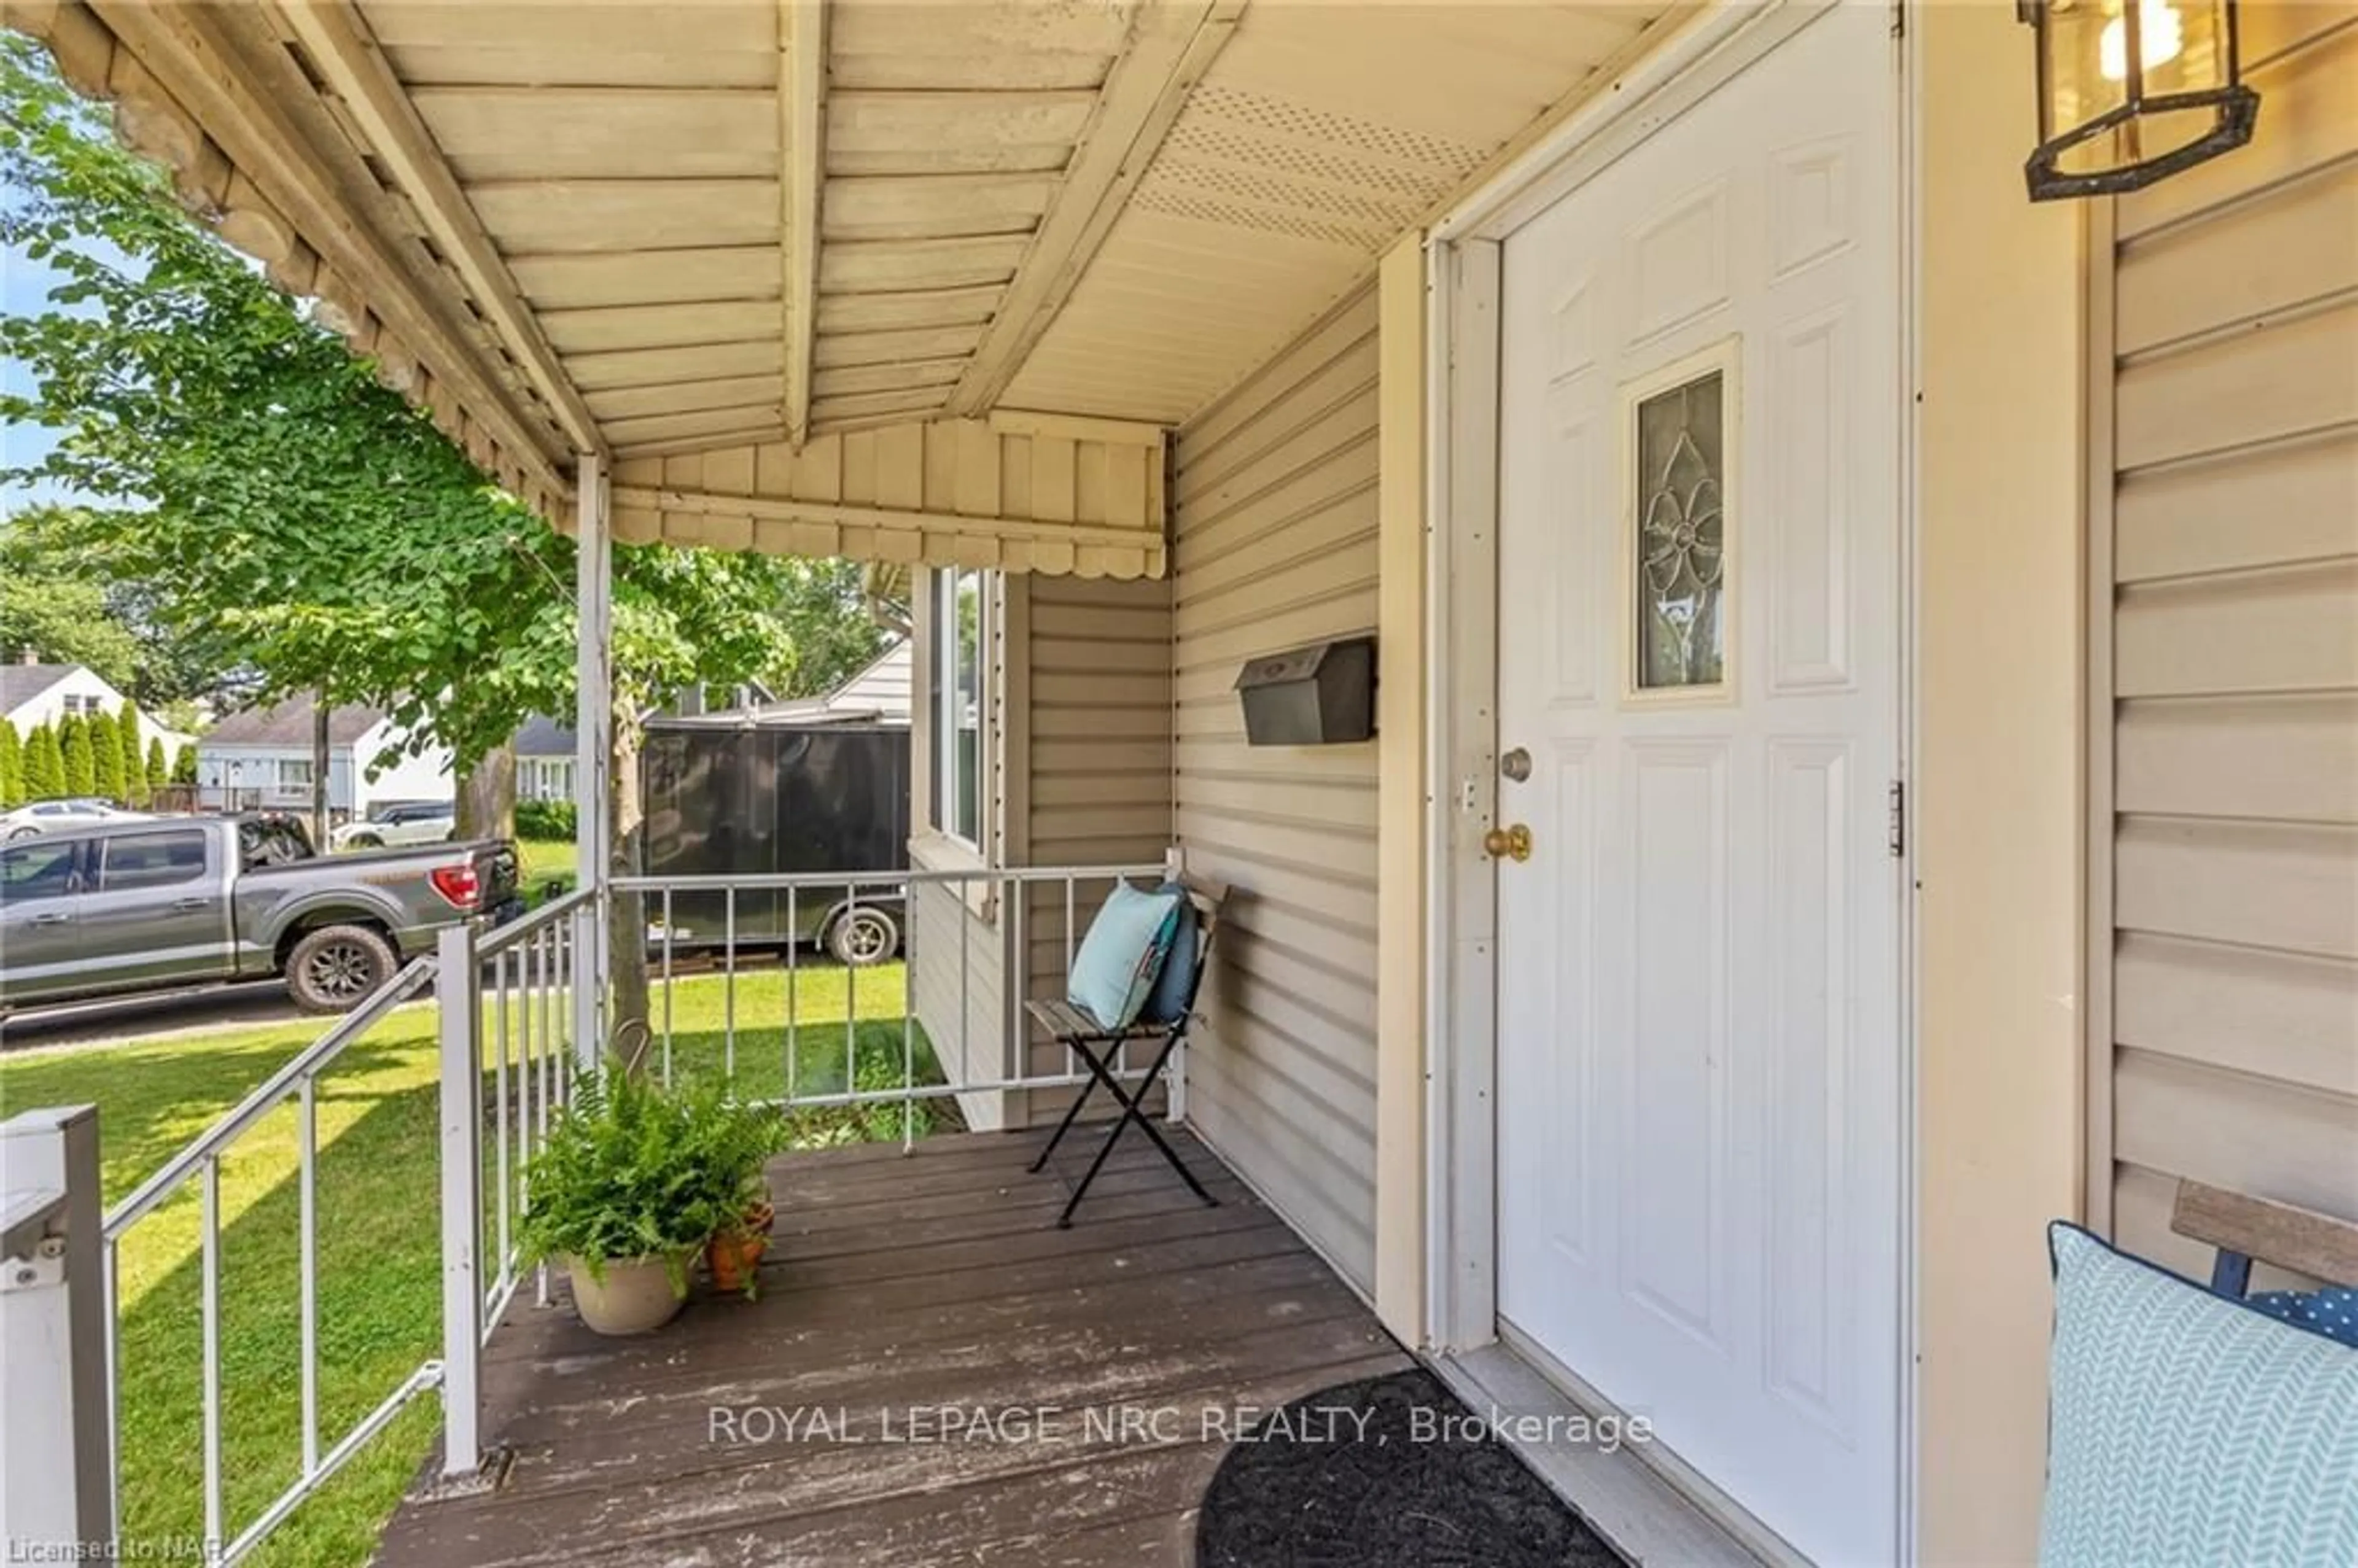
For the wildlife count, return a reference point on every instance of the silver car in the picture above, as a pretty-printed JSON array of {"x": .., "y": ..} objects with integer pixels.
[{"x": 52, "y": 816}]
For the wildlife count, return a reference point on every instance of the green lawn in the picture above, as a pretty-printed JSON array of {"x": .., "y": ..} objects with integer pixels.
[
  {"x": 546, "y": 861},
  {"x": 379, "y": 1290}
]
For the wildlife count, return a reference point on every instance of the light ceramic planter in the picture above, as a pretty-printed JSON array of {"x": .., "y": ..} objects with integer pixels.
[{"x": 635, "y": 1296}]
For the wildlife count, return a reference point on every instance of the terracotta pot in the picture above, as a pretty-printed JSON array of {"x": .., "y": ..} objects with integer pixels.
[
  {"x": 635, "y": 1296},
  {"x": 734, "y": 1254}
]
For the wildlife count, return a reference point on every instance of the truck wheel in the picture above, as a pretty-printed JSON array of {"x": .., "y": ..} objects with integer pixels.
[
  {"x": 336, "y": 968},
  {"x": 863, "y": 937}
]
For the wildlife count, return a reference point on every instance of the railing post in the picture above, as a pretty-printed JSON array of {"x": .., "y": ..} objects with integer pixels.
[
  {"x": 459, "y": 992},
  {"x": 1175, "y": 1074},
  {"x": 593, "y": 728},
  {"x": 57, "y": 1480}
]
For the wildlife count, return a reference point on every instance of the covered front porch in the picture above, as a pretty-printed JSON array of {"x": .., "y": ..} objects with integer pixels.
[{"x": 933, "y": 1373}]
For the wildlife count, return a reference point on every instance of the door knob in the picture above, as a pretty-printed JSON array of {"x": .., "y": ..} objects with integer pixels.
[{"x": 1507, "y": 843}]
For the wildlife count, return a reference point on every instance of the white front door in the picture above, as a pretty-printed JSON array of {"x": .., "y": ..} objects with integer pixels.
[{"x": 1701, "y": 1111}]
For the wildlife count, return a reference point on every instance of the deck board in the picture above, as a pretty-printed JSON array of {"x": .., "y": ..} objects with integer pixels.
[{"x": 898, "y": 1287}]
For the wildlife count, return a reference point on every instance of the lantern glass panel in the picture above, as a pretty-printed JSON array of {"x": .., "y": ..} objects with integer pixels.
[{"x": 2180, "y": 46}]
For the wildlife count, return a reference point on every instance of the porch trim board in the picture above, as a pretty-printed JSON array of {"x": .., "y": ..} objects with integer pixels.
[{"x": 1027, "y": 493}]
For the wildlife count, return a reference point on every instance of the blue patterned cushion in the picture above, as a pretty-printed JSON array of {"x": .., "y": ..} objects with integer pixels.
[
  {"x": 2332, "y": 1312},
  {"x": 1122, "y": 954},
  {"x": 1176, "y": 982},
  {"x": 2187, "y": 1429}
]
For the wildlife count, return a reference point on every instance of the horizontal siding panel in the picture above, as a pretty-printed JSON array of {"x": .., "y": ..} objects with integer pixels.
[
  {"x": 2297, "y": 502},
  {"x": 2255, "y": 884},
  {"x": 2308, "y": 117},
  {"x": 2293, "y": 375},
  {"x": 2288, "y": 631},
  {"x": 1275, "y": 546},
  {"x": 1099, "y": 654},
  {"x": 1208, "y": 642},
  {"x": 1069, "y": 758},
  {"x": 1335, "y": 463},
  {"x": 1248, "y": 406},
  {"x": 2248, "y": 1135},
  {"x": 1143, "y": 723},
  {"x": 2273, "y": 1015},
  {"x": 1103, "y": 622},
  {"x": 2291, "y": 758},
  {"x": 2293, "y": 246}
]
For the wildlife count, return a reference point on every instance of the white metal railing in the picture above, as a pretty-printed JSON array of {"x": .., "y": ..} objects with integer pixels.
[
  {"x": 521, "y": 1013},
  {"x": 200, "y": 1163},
  {"x": 509, "y": 1005},
  {"x": 808, "y": 907}
]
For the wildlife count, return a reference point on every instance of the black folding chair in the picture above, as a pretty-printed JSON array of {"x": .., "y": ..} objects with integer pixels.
[{"x": 1100, "y": 1049}]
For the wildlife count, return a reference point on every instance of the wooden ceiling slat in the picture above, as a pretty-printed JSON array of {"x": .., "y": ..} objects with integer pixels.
[
  {"x": 672, "y": 367},
  {"x": 660, "y": 326},
  {"x": 922, "y": 121},
  {"x": 873, "y": 266},
  {"x": 562, "y": 133},
  {"x": 921, "y": 307},
  {"x": 543, "y": 217},
  {"x": 934, "y": 206},
  {"x": 905, "y": 376},
  {"x": 841, "y": 349},
  {"x": 687, "y": 398},
  {"x": 582, "y": 282}
]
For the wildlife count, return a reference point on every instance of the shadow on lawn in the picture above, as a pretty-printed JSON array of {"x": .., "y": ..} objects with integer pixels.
[{"x": 378, "y": 1276}]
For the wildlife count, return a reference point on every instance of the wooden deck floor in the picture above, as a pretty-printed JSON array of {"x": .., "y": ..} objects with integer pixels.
[{"x": 900, "y": 1296}]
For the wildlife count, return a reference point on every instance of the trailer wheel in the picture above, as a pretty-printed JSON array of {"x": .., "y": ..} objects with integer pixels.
[
  {"x": 864, "y": 936},
  {"x": 336, "y": 968}
]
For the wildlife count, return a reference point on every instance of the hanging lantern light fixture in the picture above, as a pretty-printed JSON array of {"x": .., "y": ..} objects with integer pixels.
[{"x": 2131, "y": 92}]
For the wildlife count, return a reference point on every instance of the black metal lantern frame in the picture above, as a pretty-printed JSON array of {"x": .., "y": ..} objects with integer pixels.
[{"x": 2233, "y": 108}]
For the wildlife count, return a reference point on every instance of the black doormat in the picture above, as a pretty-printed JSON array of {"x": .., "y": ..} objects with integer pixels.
[{"x": 1375, "y": 1475}]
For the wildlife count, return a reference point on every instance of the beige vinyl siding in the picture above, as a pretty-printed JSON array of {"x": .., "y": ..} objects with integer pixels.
[
  {"x": 1275, "y": 544},
  {"x": 2227, "y": 995},
  {"x": 948, "y": 986},
  {"x": 1097, "y": 724}
]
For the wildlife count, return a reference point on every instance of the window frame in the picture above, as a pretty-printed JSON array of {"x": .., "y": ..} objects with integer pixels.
[
  {"x": 279, "y": 766},
  {"x": 98, "y": 877},
  {"x": 77, "y": 852},
  {"x": 946, "y": 711}
]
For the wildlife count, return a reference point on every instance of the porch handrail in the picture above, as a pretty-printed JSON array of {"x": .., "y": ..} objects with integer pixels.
[
  {"x": 516, "y": 933},
  {"x": 754, "y": 881},
  {"x": 307, "y": 1063}
]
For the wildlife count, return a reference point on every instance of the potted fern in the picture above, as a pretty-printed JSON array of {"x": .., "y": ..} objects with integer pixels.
[{"x": 632, "y": 1181}]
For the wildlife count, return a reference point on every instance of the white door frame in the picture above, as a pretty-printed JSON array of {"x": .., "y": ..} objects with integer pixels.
[{"x": 1462, "y": 393}]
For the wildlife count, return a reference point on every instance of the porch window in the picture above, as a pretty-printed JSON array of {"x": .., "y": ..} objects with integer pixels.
[
  {"x": 545, "y": 778},
  {"x": 294, "y": 773},
  {"x": 962, "y": 634}
]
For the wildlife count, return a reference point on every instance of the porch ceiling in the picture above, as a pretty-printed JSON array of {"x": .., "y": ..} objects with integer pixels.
[{"x": 592, "y": 224}]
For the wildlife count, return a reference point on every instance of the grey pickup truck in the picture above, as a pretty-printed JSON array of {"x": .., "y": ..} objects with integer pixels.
[{"x": 192, "y": 901}]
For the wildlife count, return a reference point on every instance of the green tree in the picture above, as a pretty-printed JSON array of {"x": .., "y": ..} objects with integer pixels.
[
  {"x": 55, "y": 606},
  {"x": 12, "y": 767},
  {"x": 44, "y": 765},
  {"x": 81, "y": 766},
  {"x": 105, "y": 756},
  {"x": 159, "y": 772},
  {"x": 184, "y": 766},
  {"x": 135, "y": 760}
]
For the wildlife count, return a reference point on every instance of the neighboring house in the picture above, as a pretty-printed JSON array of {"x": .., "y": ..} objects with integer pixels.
[
  {"x": 35, "y": 694},
  {"x": 264, "y": 757},
  {"x": 545, "y": 759}
]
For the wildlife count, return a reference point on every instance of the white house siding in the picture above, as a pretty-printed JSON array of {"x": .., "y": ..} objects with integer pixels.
[
  {"x": 2230, "y": 979},
  {"x": 84, "y": 686},
  {"x": 233, "y": 776},
  {"x": 1276, "y": 546}
]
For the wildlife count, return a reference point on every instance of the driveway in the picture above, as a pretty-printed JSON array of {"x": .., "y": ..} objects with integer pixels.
[{"x": 149, "y": 1017}]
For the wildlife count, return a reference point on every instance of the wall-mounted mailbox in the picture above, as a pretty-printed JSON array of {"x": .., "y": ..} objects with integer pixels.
[{"x": 1321, "y": 694}]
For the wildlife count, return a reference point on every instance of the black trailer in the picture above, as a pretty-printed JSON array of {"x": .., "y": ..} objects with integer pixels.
[{"x": 778, "y": 796}]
